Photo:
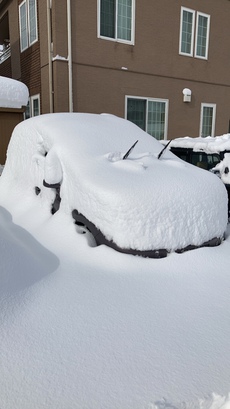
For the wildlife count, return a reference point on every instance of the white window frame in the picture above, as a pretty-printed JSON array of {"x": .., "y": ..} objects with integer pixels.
[
  {"x": 193, "y": 31},
  {"x": 119, "y": 40},
  {"x": 20, "y": 26},
  {"x": 196, "y": 15},
  {"x": 203, "y": 105},
  {"x": 31, "y": 106},
  {"x": 28, "y": 28},
  {"x": 207, "y": 37},
  {"x": 32, "y": 99},
  {"x": 148, "y": 99}
]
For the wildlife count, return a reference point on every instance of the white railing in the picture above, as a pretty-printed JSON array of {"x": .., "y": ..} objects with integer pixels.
[{"x": 6, "y": 53}]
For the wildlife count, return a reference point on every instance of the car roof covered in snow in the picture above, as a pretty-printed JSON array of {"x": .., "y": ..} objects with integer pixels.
[{"x": 209, "y": 144}]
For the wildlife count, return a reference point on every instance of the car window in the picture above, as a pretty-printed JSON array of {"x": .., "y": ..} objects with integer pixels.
[
  {"x": 213, "y": 160},
  {"x": 205, "y": 161},
  {"x": 200, "y": 159},
  {"x": 183, "y": 157}
]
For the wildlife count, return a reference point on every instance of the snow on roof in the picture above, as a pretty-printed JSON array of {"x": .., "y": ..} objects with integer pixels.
[
  {"x": 140, "y": 203},
  {"x": 208, "y": 144},
  {"x": 13, "y": 94}
]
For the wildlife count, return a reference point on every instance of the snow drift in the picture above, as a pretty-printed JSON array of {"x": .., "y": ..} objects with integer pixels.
[{"x": 13, "y": 94}]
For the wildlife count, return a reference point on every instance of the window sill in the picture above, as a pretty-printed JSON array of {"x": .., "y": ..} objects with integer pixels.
[{"x": 114, "y": 40}]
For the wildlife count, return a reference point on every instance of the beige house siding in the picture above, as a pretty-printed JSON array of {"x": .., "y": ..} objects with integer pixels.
[
  {"x": 9, "y": 118},
  {"x": 155, "y": 69},
  {"x": 105, "y": 71}
]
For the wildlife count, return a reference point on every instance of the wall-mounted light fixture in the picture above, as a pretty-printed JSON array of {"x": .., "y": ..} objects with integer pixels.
[{"x": 187, "y": 95}]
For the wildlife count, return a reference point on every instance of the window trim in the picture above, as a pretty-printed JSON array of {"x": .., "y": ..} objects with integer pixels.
[
  {"x": 32, "y": 99},
  {"x": 207, "y": 37},
  {"x": 149, "y": 99},
  {"x": 28, "y": 28},
  {"x": 20, "y": 26},
  {"x": 30, "y": 106},
  {"x": 209, "y": 105},
  {"x": 115, "y": 39},
  {"x": 196, "y": 15},
  {"x": 193, "y": 31}
]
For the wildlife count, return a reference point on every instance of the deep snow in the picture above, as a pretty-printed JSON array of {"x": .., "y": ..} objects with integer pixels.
[
  {"x": 13, "y": 94},
  {"x": 91, "y": 328},
  {"x": 86, "y": 327}
]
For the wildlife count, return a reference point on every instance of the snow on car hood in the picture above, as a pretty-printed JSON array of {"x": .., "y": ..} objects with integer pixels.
[{"x": 140, "y": 203}]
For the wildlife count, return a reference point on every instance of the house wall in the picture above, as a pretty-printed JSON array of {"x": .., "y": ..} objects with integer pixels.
[
  {"x": 154, "y": 66},
  {"x": 9, "y": 118},
  {"x": 104, "y": 90},
  {"x": 59, "y": 54},
  {"x": 25, "y": 66},
  {"x": 5, "y": 68},
  {"x": 30, "y": 68},
  {"x": 11, "y": 67},
  {"x": 30, "y": 62},
  {"x": 14, "y": 40}
]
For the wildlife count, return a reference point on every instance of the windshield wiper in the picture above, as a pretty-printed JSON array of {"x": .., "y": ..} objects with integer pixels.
[
  {"x": 129, "y": 151},
  {"x": 162, "y": 151}
]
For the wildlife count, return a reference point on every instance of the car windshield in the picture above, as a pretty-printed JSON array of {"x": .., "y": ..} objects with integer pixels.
[{"x": 205, "y": 161}]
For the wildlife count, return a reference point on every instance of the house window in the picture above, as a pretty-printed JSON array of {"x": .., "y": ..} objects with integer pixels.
[
  {"x": 116, "y": 20},
  {"x": 187, "y": 31},
  {"x": 149, "y": 114},
  {"x": 202, "y": 35},
  {"x": 191, "y": 38},
  {"x": 28, "y": 23},
  {"x": 207, "y": 120},
  {"x": 33, "y": 107}
]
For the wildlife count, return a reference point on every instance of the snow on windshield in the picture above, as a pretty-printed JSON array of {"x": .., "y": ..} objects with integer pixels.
[{"x": 13, "y": 94}]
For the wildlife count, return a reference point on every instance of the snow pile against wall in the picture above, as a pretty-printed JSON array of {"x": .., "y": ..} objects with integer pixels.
[
  {"x": 140, "y": 203},
  {"x": 13, "y": 94}
]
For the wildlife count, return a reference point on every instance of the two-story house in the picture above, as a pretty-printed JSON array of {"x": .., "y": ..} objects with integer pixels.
[{"x": 164, "y": 65}]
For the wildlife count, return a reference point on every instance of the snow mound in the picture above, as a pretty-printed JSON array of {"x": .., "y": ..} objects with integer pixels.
[
  {"x": 215, "y": 401},
  {"x": 13, "y": 94}
]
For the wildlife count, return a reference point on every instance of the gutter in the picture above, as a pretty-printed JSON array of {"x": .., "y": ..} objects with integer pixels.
[
  {"x": 70, "y": 61},
  {"x": 50, "y": 52}
]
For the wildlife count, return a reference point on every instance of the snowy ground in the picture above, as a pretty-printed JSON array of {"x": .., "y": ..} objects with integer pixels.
[{"x": 85, "y": 327}]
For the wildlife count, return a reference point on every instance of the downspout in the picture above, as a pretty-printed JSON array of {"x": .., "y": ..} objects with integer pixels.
[
  {"x": 70, "y": 62},
  {"x": 50, "y": 52}
]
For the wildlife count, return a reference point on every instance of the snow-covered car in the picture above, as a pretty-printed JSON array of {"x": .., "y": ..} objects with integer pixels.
[{"x": 139, "y": 201}]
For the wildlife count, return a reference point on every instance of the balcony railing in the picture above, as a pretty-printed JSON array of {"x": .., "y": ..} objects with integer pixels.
[{"x": 6, "y": 53}]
